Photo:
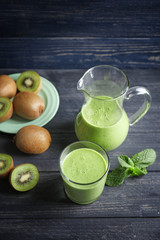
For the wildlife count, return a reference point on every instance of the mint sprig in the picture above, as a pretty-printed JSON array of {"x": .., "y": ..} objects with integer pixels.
[{"x": 134, "y": 166}]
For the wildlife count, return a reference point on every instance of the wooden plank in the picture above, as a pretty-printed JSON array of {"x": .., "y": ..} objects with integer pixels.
[
  {"x": 90, "y": 229},
  {"x": 137, "y": 197},
  {"x": 96, "y": 18},
  {"x": 80, "y": 53},
  {"x": 145, "y": 134},
  {"x": 130, "y": 211},
  {"x": 49, "y": 160}
]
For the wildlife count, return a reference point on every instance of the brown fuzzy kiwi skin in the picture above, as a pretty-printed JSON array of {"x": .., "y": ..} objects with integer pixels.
[
  {"x": 28, "y": 105},
  {"x": 8, "y": 115},
  {"x": 8, "y": 87},
  {"x": 32, "y": 139},
  {"x": 5, "y": 174}
]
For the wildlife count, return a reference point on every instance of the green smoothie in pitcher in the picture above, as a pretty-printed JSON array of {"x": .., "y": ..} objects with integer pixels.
[{"x": 102, "y": 121}]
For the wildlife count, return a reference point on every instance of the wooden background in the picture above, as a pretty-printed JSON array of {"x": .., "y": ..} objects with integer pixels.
[
  {"x": 71, "y": 34},
  {"x": 60, "y": 40}
]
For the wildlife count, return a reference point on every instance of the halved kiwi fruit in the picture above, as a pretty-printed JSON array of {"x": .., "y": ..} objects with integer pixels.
[
  {"x": 24, "y": 177},
  {"x": 6, "y": 109},
  {"x": 29, "y": 81},
  {"x": 6, "y": 164},
  {"x": 8, "y": 87}
]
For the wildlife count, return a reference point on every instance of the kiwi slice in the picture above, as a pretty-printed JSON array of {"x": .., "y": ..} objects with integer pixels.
[
  {"x": 6, "y": 109},
  {"x": 29, "y": 81},
  {"x": 24, "y": 177},
  {"x": 6, "y": 164}
]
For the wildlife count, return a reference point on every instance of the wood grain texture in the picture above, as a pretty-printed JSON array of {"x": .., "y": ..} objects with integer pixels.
[
  {"x": 137, "y": 197},
  {"x": 97, "y": 18},
  {"x": 130, "y": 211},
  {"x": 79, "y": 53},
  {"x": 60, "y": 34},
  {"x": 80, "y": 229},
  {"x": 48, "y": 161},
  {"x": 144, "y": 134}
]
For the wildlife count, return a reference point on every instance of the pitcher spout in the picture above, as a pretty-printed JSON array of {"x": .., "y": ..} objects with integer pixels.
[{"x": 80, "y": 85}]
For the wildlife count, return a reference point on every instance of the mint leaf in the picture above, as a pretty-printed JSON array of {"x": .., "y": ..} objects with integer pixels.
[
  {"x": 138, "y": 172},
  {"x": 134, "y": 166},
  {"x": 145, "y": 158},
  {"x": 117, "y": 176},
  {"x": 125, "y": 161}
]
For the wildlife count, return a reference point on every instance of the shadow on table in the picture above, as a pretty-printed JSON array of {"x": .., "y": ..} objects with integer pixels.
[{"x": 50, "y": 190}]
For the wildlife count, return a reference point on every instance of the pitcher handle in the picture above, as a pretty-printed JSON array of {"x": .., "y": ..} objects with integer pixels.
[{"x": 145, "y": 106}]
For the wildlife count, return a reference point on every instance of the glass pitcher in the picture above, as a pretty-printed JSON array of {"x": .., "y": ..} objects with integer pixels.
[{"x": 102, "y": 118}]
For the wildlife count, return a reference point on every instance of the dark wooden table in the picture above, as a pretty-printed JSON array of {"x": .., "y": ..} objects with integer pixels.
[
  {"x": 131, "y": 210},
  {"x": 60, "y": 40}
]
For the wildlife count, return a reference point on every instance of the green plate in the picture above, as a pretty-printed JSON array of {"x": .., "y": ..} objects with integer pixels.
[{"x": 49, "y": 95}]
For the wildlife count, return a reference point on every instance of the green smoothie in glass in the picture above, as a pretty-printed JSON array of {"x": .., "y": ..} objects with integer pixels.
[{"x": 84, "y": 168}]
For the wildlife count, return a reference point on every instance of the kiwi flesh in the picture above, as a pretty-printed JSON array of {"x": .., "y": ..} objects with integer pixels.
[
  {"x": 29, "y": 81},
  {"x": 32, "y": 139},
  {"x": 6, "y": 109},
  {"x": 28, "y": 105},
  {"x": 24, "y": 177},
  {"x": 6, "y": 165},
  {"x": 8, "y": 87}
]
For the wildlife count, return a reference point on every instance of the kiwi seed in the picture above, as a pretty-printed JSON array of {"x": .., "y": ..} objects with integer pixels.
[
  {"x": 1, "y": 106},
  {"x": 24, "y": 177},
  {"x": 2, "y": 164}
]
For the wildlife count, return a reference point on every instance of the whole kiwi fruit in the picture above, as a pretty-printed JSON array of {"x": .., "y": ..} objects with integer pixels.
[
  {"x": 32, "y": 139},
  {"x": 6, "y": 165},
  {"x": 6, "y": 109},
  {"x": 29, "y": 81},
  {"x": 8, "y": 87},
  {"x": 24, "y": 177},
  {"x": 28, "y": 105}
]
